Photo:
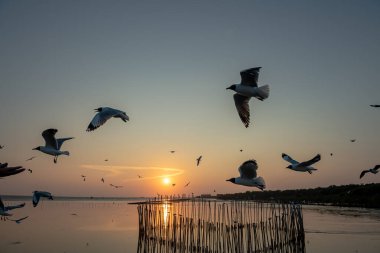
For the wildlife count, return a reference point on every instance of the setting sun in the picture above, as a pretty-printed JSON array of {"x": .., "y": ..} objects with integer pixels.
[{"x": 166, "y": 180}]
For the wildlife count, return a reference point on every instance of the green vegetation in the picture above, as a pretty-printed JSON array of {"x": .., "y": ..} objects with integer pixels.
[{"x": 367, "y": 195}]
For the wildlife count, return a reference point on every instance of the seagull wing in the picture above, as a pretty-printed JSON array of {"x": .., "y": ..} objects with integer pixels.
[
  {"x": 376, "y": 167},
  {"x": 9, "y": 171},
  {"x": 101, "y": 117},
  {"x": 8, "y": 208},
  {"x": 50, "y": 140},
  {"x": 311, "y": 161},
  {"x": 289, "y": 159},
  {"x": 363, "y": 173},
  {"x": 21, "y": 219},
  {"x": 36, "y": 198},
  {"x": 242, "y": 106},
  {"x": 2, "y": 208},
  {"x": 248, "y": 169},
  {"x": 62, "y": 140},
  {"x": 250, "y": 76}
]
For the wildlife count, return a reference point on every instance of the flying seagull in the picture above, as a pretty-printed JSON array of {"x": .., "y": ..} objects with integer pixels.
[
  {"x": 199, "y": 160},
  {"x": 53, "y": 145},
  {"x": 241, "y": 150},
  {"x": 139, "y": 176},
  {"x": 353, "y": 140},
  {"x": 106, "y": 160},
  {"x": 1, "y": 146},
  {"x": 102, "y": 180},
  {"x": 84, "y": 177},
  {"x": 18, "y": 221},
  {"x": 245, "y": 90},
  {"x": 172, "y": 151},
  {"x": 6, "y": 171},
  {"x": 303, "y": 166},
  {"x": 248, "y": 175},
  {"x": 38, "y": 194},
  {"x": 187, "y": 184},
  {"x": 374, "y": 170},
  {"x": 173, "y": 185},
  {"x": 31, "y": 171},
  {"x": 375, "y": 105},
  {"x": 104, "y": 114},
  {"x": 31, "y": 158}
]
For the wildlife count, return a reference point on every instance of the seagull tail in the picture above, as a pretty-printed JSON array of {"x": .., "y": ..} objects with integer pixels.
[
  {"x": 263, "y": 92},
  {"x": 260, "y": 182}
]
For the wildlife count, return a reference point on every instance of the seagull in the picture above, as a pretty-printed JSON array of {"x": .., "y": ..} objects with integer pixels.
[
  {"x": 84, "y": 177},
  {"x": 173, "y": 185},
  {"x": 116, "y": 186},
  {"x": 53, "y": 145},
  {"x": 102, "y": 180},
  {"x": 375, "y": 105},
  {"x": 187, "y": 184},
  {"x": 331, "y": 154},
  {"x": 29, "y": 159},
  {"x": 6, "y": 171},
  {"x": 38, "y": 194},
  {"x": 172, "y": 151},
  {"x": 248, "y": 175},
  {"x": 245, "y": 90},
  {"x": 374, "y": 170},
  {"x": 241, "y": 150},
  {"x": 104, "y": 114},
  {"x": 1, "y": 146},
  {"x": 31, "y": 171},
  {"x": 199, "y": 160},
  {"x": 18, "y": 221},
  {"x": 139, "y": 176},
  {"x": 353, "y": 140},
  {"x": 106, "y": 160},
  {"x": 303, "y": 166}
]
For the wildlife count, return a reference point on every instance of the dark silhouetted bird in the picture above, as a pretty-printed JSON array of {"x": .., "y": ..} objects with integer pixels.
[
  {"x": 199, "y": 160},
  {"x": 374, "y": 170}
]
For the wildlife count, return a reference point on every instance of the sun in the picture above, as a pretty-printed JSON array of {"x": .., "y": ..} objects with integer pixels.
[{"x": 166, "y": 180}]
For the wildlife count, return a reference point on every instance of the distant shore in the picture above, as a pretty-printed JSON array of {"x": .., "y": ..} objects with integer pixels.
[{"x": 363, "y": 195}]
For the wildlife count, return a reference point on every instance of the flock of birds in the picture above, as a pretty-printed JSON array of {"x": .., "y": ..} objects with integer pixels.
[{"x": 244, "y": 91}]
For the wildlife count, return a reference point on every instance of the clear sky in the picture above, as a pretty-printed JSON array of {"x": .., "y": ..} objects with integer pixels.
[{"x": 167, "y": 64}]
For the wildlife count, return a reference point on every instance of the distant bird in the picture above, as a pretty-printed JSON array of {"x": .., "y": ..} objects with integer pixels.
[
  {"x": 104, "y": 114},
  {"x": 1, "y": 146},
  {"x": 375, "y": 105},
  {"x": 172, "y": 151},
  {"x": 187, "y": 184},
  {"x": 84, "y": 177},
  {"x": 173, "y": 185},
  {"x": 248, "y": 175},
  {"x": 6, "y": 171},
  {"x": 31, "y": 158},
  {"x": 303, "y": 166},
  {"x": 331, "y": 154},
  {"x": 53, "y": 145},
  {"x": 18, "y": 221},
  {"x": 102, "y": 180},
  {"x": 374, "y": 170},
  {"x": 31, "y": 171},
  {"x": 116, "y": 186},
  {"x": 139, "y": 176},
  {"x": 199, "y": 160},
  {"x": 38, "y": 194},
  {"x": 245, "y": 90},
  {"x": 353, "y": 140},
  {"x": 241, "y": 150},
  {"x": 106, "y": 160}
]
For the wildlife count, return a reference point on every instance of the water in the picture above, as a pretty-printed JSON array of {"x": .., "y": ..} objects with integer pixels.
[{"x": 112, "y": 226}]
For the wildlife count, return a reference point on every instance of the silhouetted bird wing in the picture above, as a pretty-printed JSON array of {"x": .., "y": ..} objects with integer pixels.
[
  {"x": 242, "y": 107},
  {"x": 2, "y": 208},
  {"x": 105, "y": 114},
  {"x": 375, "y": 105},
  {"x": 248, "y": 169},
  {"x": 3, "y": 165},
  {"x": 49, "y": 137},
  {"x": 363, "y": 173},
  {"x": 311, "y": 161},
  {"x": 250, "y": 76},
  {"x": 289, "y": 159},
  {"x": 376, "y": 167}
]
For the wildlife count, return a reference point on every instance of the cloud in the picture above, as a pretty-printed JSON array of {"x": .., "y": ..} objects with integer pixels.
[{"x": 111, "y": 170}]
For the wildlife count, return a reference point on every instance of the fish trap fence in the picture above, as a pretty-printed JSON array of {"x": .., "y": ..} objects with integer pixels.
[{"x": 213, "y": 226}]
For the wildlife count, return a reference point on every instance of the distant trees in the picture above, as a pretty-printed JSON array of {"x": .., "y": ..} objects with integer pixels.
[{"x": 367, "y": 195}]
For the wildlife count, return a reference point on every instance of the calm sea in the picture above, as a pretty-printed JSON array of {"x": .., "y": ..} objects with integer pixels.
[{"x": 111, "y": 225}]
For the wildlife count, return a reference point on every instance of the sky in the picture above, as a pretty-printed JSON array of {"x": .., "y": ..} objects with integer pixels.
[{"x": 167, "y": 65}]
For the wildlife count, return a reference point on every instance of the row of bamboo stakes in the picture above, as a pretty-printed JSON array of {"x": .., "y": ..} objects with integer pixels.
[{"x": 213, "y": 226}]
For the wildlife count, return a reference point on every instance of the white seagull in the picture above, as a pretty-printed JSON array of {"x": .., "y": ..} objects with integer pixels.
[
  {"x": 53, "y": 145},
  {"x": 303, "y": 166},
  {"x": 245, "y": 90},
  {"x": 374, "y": 170},
  {"x": 248, "y": 175},
  {"x": 38, "y": 194},
  {"x": 104, "y": 114}
]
